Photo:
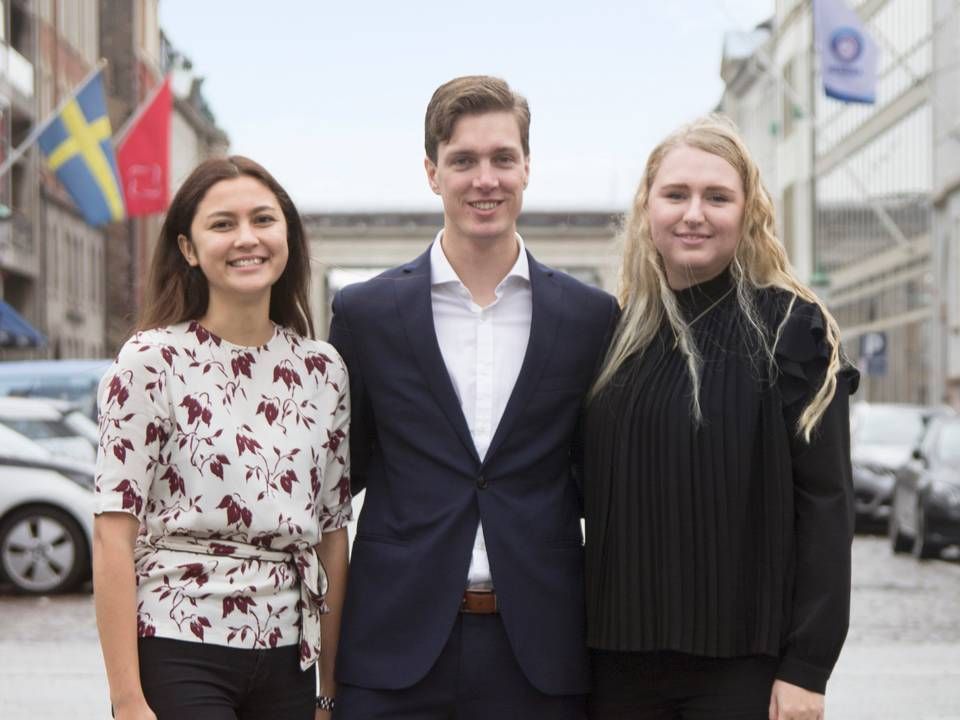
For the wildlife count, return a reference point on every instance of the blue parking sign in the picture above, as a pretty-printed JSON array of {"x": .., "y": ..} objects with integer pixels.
[{"x": 873, "y": 353}]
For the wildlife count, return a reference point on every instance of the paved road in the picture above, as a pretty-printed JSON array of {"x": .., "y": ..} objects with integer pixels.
[{"x": 901, "y": 661}]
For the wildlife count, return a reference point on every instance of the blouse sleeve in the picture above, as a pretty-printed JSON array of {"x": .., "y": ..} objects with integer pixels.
[
  {"x": 135, "y": 424},
  {"x": 823, "y": 503},
  {"x": 334, "y": 503}
]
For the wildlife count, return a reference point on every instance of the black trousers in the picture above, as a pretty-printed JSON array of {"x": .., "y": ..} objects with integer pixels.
[
  {"x": 476, "y": 677},
  {"x": 192, "y": 681},
  {"x": 675, "y": 686}
]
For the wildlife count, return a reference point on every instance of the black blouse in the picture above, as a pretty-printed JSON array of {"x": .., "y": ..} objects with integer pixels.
[{"x": 733, "y": 537}]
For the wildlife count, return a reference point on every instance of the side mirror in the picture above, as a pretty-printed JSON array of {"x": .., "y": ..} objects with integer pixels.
[{"x": 916, "y": 454}]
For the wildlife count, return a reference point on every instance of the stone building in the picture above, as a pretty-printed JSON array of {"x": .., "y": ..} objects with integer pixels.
[
  {"x": 853, "y": 184},
  {"x": 71, "y": 251},
  {"x": 20, "y": 266},
  {"x": 945, "y": 99},
  {"x": 348, "y": 247},
  {"x": 140, "y": 55}
]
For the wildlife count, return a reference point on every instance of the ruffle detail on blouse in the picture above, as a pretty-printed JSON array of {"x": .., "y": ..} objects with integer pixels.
[{"x": 803, "y": 354}]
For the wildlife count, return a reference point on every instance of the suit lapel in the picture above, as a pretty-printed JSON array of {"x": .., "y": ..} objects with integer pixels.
[
  {"x": 416, "y": 311},
  {"x": 546, "y": 294}
]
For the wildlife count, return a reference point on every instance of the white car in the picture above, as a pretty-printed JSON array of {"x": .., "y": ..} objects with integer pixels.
[
  {"x": 64, "y": 432},
  {"x": 46, "y": 517},
  {"x": 72, "y": 380}
]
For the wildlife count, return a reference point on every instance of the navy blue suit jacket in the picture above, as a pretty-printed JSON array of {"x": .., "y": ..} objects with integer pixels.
[{"x": 427, "y": 488}]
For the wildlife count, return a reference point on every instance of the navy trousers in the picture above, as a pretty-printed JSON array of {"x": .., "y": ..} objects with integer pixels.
[
  {"x": 676, "y": 686},
  {"x": 476, "y": 677}
]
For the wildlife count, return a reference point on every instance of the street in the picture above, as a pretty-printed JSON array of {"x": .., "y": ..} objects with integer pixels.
[{"x": 901, "y": 660}]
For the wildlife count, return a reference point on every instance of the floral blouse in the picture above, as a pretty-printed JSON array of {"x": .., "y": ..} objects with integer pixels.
[{"x": 234, "y": 459}]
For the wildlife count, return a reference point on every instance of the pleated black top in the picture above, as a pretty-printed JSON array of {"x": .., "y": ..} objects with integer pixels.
[{"x": 730, "y": 538}]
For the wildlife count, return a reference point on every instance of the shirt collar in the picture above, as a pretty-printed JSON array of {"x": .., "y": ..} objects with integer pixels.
[{"x": 442, "y": 272}]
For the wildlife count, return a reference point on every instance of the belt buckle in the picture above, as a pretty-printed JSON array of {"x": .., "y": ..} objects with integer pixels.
[{"x": 479, "y": 602}]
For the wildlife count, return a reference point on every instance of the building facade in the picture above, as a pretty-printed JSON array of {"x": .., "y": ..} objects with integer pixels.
[
  {"x": 81, "y": 285},
  {"x": 349, "y": 247},
  {"x": 20, "y": 252},
  {"x": 853, "y": 184},
  {"x": 71, "y": 251},
  {"x": 140, "y": 56},
  {"x": 130, "y": 42},
  {"x": 945, "y": 94}
]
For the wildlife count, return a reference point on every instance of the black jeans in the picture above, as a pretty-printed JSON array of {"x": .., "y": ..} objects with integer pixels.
[
  {"x": 676, "y": 686},
  {"x": 192, "y": 681}
]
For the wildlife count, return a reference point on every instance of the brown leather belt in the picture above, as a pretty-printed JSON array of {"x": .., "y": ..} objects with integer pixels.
[{"x": 479, "y": 602}]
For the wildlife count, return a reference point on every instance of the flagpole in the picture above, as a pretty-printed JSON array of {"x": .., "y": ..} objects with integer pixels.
[
  {"x": 121, "y": 133},
  {"x": 817, "y": 277},
  {"x": 39, "y": 129}
]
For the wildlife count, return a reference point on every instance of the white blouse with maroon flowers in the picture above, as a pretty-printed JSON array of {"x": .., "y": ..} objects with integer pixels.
[{"x": 235, "y": 460}]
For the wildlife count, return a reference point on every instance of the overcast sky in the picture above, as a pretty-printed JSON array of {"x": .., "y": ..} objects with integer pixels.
[{"x": 330, "y": 96}]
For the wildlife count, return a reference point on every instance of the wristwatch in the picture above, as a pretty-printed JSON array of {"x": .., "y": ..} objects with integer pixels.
[{"x": 325, "y": 703}]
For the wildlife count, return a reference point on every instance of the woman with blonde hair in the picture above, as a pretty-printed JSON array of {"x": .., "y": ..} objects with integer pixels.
[{"x": 718, "y": 497}]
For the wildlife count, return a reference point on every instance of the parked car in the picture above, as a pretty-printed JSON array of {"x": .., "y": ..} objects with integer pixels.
[
  {"x": 76, "y": 420},
  {"x": 72, "y": 380},
  {"x": 882, "y": 436},
  {"x": 925, "y": 516},
  {"x": 46, "y": 517},
  {"x": 66, "y": 435}
]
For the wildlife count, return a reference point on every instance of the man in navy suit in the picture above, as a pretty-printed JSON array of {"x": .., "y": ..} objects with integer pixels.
[{"x": 468, "y": 368}]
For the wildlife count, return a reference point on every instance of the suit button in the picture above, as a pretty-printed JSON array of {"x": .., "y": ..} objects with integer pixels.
[{"x": 482, "y": 482}]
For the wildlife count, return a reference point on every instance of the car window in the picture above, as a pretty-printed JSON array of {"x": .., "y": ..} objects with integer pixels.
[
  {"x": 889, "y": 426},
  {"x": 83, "y": 426},
  {"x": 948, "y": 443},
  {"x": 13, "y": 444},
  {"x": 39, "y": 429}
]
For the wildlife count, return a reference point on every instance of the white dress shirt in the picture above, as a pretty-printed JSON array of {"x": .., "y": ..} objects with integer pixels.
[{"x": 483, "y": 349}]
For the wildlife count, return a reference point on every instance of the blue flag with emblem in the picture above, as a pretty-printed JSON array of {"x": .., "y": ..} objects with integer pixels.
[
  {"x": 848, "y": 54},
  {"x": 78, "y": 147}
]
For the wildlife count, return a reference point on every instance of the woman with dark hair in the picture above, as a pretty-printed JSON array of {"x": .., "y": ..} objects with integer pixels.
[
  {"x": 220, "y": 547},
  {"x": 718, "y": 496}
]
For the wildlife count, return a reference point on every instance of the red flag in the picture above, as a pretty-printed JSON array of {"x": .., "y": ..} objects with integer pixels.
[{"x": 143, "y": 156}]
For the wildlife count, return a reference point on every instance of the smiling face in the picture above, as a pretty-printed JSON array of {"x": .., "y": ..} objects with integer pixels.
[
  {"x": 480, "y": 174},
  {"x": 238, "y": 239},
  {"x": 695, "y": 207}
]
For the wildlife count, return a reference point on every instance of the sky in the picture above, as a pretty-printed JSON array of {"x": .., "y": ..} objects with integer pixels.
[{"x": 330, "y": 96}]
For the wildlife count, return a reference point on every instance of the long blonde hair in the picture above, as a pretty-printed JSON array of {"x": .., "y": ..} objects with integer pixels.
[{"x": 760, "y": 261}]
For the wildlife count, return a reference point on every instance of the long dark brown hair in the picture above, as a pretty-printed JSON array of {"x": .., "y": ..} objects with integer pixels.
[{"x": 177, "y": 292}]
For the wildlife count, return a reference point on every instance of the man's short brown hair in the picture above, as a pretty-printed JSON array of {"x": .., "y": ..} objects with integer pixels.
[{"x": 472, "y": 95}]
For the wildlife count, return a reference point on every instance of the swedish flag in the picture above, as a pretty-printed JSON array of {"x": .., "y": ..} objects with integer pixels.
[{"x": 79, "y": 150}]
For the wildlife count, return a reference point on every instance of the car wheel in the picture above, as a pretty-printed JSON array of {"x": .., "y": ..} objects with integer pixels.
[
  {"x": 899, "y": 542},
  {"x": 923, "y": 548},
  {"x": 43, "y": 550}
]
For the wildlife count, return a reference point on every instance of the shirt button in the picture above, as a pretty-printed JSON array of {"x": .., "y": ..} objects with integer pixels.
[{"x": 482, "y": 482}]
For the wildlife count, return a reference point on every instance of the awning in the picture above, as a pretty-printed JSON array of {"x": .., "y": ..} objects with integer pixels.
[{"x": 15, "y": 332}]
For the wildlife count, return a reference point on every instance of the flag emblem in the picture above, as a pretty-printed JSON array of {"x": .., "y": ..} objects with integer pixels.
[
  {"x": 846, "y": 45},
  {"x": 79, "y": 149}
]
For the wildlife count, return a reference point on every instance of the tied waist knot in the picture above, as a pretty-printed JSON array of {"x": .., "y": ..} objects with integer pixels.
[{"x": 302, "y": 557}]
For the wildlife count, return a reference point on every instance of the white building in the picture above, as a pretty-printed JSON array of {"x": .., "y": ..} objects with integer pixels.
[
  {"x": 349, "y": 247},
  {"x": 853, "y": 183},
  {"x": 945, "y": 100}
]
